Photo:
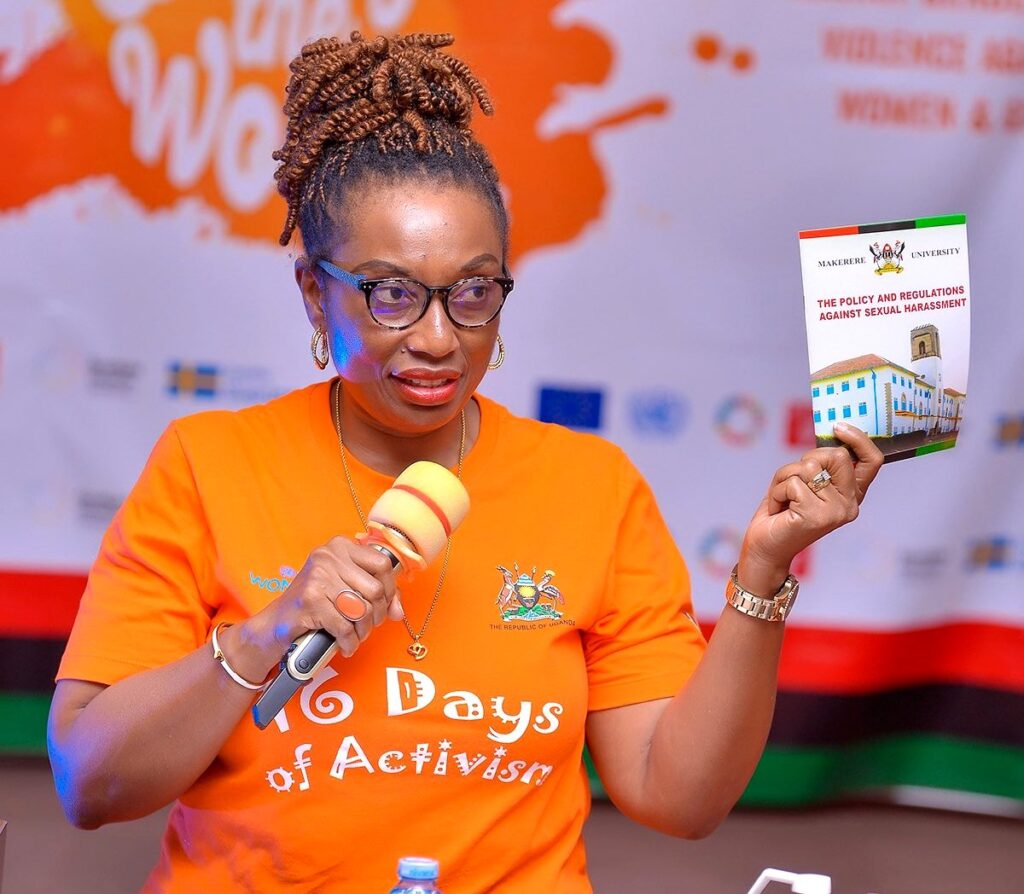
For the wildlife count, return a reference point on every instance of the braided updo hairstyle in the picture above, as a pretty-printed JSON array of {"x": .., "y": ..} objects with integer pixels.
[{"x": 384, "y": 109}]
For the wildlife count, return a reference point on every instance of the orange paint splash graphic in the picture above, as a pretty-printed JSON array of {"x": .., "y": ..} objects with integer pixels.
[
  {"x": 185, "y": 101},
  {"x": 708, "y": 48}
]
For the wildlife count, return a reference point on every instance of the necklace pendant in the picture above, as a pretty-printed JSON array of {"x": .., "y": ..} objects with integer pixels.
[{"x": 417, "y": 650}]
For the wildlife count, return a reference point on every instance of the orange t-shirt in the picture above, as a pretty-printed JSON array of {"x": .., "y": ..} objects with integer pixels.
[{"x": 472, "y": 755}]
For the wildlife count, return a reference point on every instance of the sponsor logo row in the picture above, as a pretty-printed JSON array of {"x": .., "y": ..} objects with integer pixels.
[
  {"x": 237, "y": 384},
  {"x": 740, "y": 420},
  {"x": 718, "y": 548}
]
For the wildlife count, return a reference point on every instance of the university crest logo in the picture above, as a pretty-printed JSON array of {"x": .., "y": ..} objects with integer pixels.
[
  {"x": 888, "y": 258},
  {"x": 524, "y": 598}
]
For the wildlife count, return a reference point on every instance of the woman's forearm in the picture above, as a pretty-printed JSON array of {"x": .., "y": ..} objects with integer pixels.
[
  {"x": 135, "y": 746},
  {"x": 708, "y": 739},
  {"x": 123, "y": 751},
  {"x": 710, "y": 736}
]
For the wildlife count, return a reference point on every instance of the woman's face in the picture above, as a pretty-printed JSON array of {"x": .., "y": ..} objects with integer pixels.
[{"x": 414, "y": 380}]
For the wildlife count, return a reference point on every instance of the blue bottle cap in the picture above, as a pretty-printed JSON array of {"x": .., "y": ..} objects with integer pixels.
[{"x": 422, "y": 868}]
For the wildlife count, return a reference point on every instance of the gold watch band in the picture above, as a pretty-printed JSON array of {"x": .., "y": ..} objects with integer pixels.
[{"x": 771, "y": 608}]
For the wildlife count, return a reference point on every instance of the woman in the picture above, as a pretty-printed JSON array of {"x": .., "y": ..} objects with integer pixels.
[{"x": 559, "y": 613}]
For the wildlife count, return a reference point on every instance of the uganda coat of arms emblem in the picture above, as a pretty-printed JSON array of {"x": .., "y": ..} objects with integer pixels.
[
  {"x": 888, "y": 258},
  {"x": 523, "y": 597}
]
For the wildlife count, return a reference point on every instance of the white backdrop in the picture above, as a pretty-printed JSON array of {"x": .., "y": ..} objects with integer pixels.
[{"x": 680, "y": 303}]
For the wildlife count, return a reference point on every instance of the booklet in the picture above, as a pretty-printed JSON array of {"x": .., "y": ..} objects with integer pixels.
[{"x": 888, "y": 331}]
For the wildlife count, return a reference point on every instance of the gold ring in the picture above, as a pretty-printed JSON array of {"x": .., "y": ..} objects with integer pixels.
[
  {"x": 351, "y": 605},
  {"x": 820, "y": 481}
]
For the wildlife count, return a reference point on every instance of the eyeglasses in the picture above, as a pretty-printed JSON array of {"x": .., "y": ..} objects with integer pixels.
[{"x": 398, "y": 303}]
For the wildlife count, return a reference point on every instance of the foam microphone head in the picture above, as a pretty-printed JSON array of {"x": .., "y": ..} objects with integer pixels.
[{"x": 415, "y": 516}]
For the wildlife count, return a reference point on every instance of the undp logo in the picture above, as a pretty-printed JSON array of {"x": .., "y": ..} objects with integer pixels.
[
  {"x": 739, "y": 420},
  {"x": 658, "y": 414}
]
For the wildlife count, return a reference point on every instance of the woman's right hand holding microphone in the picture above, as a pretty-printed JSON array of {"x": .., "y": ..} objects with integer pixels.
[{"x": 344, "y": 587}]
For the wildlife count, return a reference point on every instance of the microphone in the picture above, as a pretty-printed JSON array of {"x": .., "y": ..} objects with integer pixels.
[{"x": 410, "y": 524}]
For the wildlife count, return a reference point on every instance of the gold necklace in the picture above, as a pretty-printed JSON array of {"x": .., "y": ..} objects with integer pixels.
[{"x": 416, "y": 648}]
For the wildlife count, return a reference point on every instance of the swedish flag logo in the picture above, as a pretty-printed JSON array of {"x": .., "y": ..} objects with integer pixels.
[
  {"x": 197, "y": 380},
  {"x": 1010, "y": 431},
  {"x": 994, "y": 553}
]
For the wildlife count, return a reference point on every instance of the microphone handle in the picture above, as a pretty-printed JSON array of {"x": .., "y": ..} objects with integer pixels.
[{"x": 300, "y": 663}]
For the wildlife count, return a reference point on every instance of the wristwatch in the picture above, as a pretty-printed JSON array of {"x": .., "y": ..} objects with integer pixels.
[{"x": 772, "y": 608}]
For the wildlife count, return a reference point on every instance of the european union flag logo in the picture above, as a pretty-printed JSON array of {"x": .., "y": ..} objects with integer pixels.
[{"x": 573, "y": 408}]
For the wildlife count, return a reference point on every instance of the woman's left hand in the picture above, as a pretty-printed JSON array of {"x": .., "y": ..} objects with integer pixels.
[{"x": 792, "y": 516}]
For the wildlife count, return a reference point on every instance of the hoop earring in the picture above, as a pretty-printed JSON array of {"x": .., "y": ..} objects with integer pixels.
[
  {"x": 320, "y": 348},
  {"x": 500, "y": 359}
]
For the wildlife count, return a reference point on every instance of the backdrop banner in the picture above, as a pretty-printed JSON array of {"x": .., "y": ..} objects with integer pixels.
[{"x": 659, "y": 161}]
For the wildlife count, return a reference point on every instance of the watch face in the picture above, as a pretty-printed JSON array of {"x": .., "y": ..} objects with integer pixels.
[{"x": 787, "y": 602}]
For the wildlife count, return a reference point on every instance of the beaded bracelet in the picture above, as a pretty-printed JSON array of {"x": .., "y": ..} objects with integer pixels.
[{"x": 218, "y": 653}]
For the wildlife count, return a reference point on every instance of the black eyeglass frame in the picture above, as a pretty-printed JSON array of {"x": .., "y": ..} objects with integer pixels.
[{"x": 367, "y": 286}]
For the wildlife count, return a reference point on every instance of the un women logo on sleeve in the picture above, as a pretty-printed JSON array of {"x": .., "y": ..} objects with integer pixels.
[{"x": 270, "y": 583}]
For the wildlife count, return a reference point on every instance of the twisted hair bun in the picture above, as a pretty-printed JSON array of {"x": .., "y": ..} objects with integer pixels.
[{"x": 385, "y": 106}]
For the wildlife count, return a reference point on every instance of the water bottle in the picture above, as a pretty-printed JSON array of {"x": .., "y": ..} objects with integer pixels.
[{"x": 417, "y": 875}]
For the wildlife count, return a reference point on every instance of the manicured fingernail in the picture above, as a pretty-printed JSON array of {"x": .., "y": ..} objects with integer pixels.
[
  {"x": 840, "y": 426},
  {"x": 351, "y": 606}
]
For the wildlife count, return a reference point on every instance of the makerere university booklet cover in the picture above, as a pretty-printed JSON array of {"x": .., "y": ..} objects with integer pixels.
[{"x": 888, "y": 331}]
